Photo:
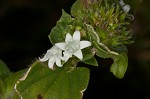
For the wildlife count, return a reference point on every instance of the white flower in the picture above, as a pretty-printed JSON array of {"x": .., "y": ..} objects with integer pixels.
[
  {"x": 73, "y": 46},
  {"x": 121, "y": 2},
  {"x": 53, "y": 55},
  {"x": 125, "y": 7}
]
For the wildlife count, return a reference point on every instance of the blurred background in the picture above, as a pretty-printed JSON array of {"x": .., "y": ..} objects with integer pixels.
[{"x": 24, "y": 29}]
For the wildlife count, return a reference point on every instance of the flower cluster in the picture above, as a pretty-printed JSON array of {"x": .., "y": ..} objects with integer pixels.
[{"x": 71, "y": 46}]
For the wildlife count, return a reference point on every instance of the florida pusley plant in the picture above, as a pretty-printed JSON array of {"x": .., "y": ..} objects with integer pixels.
[{"x": 94, "y": 28}]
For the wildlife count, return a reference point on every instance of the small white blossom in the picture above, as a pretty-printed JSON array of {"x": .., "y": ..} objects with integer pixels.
[
  {"x": 73, "y": 46},
  {"x": 53, "y": 55},
  {"x": 125, "y": 7},
  {"x": 121, "y": 2}
]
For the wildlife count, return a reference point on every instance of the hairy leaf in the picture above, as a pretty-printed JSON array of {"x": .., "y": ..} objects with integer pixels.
[
  {"x": 62, "y": 27},
  {"x": 91, "y": 61},
  {"x": 119, "y": 66},
  {"x": 100, "y": 52},
  {"x": 77, "y": 8},
  {"x": 10, "y": 82},
  {"x": 60, "y": 83}
]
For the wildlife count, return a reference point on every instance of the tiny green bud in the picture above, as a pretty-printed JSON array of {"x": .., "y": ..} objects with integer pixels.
[{"x": 78, "y": 28}]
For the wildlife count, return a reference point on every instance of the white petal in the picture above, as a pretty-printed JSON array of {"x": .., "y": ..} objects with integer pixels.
[
  {"x": 61, "y": 45},
  {"x": 121, "y": 3},
  {"x": 58, "y": 63},
  {"x": 68, "y": 37},
  {"x": 46, "y": 56},
  {"x": 55, "y": 49},
  {"x": 76, "y": 35},
  {"x": 84, "y": 44},
  {"x": 79, "y": 54},
  {"x": 43, "y": 59},
  {"x": 51, "y": 63},
  {"x": 126, "y": 8},
  {"x": 67, "y": 55}
]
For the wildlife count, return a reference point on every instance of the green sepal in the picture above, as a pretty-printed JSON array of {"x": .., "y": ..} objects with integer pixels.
[
  {"x": 119, "y": 67},
  {"x": 4, "y": 73}
]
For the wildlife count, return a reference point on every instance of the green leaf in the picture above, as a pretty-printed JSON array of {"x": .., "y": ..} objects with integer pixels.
[
  {"x": 62, "y": 27},
  {"x": 100, "y": 52},
  {"x": 7, "y": 85},
  {"x": 4, "y": 70},
  {"x": 87, "y": 54},
  {"x": 10, "y": 82},
  {"x": 88, "y": 57},
  {"x": 2, "y": 88},
  {"x": 60, "y": 83},
  {"x": 77, "y": 9},
  {"x": 91, "y": 61},
  {"x": 119, "y": 67},
  {"x": 4, "y": 73}
]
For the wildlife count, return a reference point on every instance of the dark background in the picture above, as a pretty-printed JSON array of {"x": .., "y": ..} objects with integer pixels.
[{"x": 24, "y": 29}]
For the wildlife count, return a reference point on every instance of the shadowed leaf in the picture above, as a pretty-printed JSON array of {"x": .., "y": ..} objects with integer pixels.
[{"x": 119, "y": 67}]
